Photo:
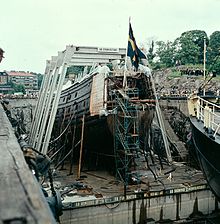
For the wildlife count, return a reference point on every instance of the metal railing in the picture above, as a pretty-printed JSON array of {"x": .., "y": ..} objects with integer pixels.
[{"x": 209, "y": 113}]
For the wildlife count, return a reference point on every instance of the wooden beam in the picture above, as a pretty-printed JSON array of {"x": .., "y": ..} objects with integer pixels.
[
  {"x": 21, "y": 197},
  {"x": 81, "y": 147}
]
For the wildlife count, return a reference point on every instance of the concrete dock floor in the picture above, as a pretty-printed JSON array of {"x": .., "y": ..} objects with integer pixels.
[{"x": 176, "y": 193}]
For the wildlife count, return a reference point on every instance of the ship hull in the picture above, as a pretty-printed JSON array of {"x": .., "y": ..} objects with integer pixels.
[
  {"x": 99, "y": 138},
  {"x": 208, "y": 154},
  {"x": 91, "y": 103}
]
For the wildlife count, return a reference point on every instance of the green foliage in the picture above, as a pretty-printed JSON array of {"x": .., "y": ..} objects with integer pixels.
[
  {"x": 175, "y": 74},
  {"x": 151, "y": 54},
  {"x": 110, "y": 65},
  {"x": 75, "y": 70},
  {"x": 188, "y": 49},
  {"x": 157, "y": 65},
  {"x": 196, "y": 37},
  {"x": 17, "y": 88},
  {"x": 39, "y": 80},
  {"x": 215, "y": 67},
  {"x": 213, "y": 52},
  {"x": 165, "y": 53}
]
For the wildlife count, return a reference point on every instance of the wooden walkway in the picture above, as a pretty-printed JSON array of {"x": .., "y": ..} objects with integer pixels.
[{"x": 21, "y": 200}]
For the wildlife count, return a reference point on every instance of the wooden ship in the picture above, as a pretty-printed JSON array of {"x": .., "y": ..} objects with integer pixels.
[{"x": 114, "y": 119}]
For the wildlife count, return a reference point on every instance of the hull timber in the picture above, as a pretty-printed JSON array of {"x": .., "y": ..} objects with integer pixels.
[
  {"x": 206, "y": 140},
  {"x": 94, "y": 98}
]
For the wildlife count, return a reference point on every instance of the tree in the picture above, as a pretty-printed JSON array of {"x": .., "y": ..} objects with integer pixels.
[
  {"x": 186, "y": 51},
  {"x": 151, "y": 55},
  {"x": 39, "y": 80},
  {"x": 213, "y": 52},
  {"x": 190, "y": 47},
  {"x": 215, "y": 67},
  {"x": 149, "y": 47},
  {"x": 17, "y": 88},
  {"x": 197, "y": 37},
  {"x": 165, "y": 53}
]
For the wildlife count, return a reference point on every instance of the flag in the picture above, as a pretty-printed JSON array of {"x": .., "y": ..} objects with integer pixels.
[{"x": 133, "y": 51}]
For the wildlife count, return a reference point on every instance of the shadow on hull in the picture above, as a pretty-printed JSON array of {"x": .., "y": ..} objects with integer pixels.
[{"x": 208, "y": 154}]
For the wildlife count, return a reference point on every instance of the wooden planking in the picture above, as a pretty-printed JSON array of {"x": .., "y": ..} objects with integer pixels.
[
  {"x": 97, "y": 94},
  {"x": 21, "y": 197}
]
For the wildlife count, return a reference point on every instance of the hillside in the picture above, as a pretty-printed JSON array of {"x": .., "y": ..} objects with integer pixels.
[{"x": 168, "y": 82}]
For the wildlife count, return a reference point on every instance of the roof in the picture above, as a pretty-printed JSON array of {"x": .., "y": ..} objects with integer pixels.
[
  {"x": 3, "y": 74},
  {"x": 20, "y": 74}
]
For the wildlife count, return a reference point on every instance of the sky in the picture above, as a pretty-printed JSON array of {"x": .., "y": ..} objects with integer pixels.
[{"x": 31, "y": 31}]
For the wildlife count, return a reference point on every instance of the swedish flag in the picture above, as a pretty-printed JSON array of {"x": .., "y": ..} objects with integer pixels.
[{"x": 133, "y": 51}]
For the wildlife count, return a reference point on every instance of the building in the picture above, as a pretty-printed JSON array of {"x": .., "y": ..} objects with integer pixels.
[
  {"x": 27, "y": 79},
  {"x": 89, "y": 55},
  {"x": 86, "y": 57},
  {"x": 4, "y": 85},
  {"x": 3, "y": 78}
]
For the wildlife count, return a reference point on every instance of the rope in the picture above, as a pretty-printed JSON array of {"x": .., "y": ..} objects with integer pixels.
[
  {"x": 63, "y": 131},
  {"x": 66, "y": 155}
]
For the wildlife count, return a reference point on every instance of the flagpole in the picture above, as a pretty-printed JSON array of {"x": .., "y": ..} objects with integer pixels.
[
  {"x": 204, "y": 64},
  {"x": 126, "y": 57}
]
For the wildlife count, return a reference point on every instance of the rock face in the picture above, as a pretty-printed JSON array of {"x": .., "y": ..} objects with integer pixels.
[{"x": 185, "y": 84}]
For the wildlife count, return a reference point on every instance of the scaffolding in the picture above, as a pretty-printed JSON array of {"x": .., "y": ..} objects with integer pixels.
[{"x": 126, "y": 138}]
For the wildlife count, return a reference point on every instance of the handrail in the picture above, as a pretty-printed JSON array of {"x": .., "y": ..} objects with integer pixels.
[
  {"x": 208, "y": 102},
  {"x": 206, "y": 112}
]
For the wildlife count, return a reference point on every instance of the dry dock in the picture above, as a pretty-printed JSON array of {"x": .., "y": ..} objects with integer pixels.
[
  {"x": 175, "y": 193},
  {"x": 179, "y": 193}
]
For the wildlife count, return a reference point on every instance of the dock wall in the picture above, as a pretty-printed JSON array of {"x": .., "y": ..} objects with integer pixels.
[
  {"x": 177, "y": 206},
  {"x": 180, "y": 104}
]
